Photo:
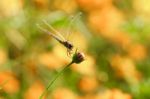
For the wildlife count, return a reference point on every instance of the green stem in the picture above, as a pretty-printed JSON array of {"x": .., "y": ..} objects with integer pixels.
[{"x": 51, "y": 83}]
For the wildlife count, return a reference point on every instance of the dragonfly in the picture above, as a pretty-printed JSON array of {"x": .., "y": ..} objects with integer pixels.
[{"x": 58, "y": 35}]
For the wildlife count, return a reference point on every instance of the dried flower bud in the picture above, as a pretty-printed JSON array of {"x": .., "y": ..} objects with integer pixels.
[{"x": 78, "y": 57}]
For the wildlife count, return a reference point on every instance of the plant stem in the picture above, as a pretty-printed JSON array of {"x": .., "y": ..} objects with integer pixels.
[{"x": 54, "y": 79}]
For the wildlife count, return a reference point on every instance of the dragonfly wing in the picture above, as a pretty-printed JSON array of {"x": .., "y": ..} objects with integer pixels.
[
  {"x": 58, "y": 33},
  {"x": 71, "y": 23},
  {"x": 51, "y": 34}
]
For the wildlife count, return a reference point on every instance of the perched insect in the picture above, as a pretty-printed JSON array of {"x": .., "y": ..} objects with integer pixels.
[{"x": 58, "y": 35}]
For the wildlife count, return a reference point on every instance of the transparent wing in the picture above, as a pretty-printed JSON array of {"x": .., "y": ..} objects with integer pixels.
[
  {"x": 73, "y": 19},
  {"x": 54, "y": 30},
  {"x": 51, "y": 34},
  {"x": 63, "y": 28}
]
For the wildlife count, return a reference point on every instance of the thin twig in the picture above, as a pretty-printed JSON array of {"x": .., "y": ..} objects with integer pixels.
[{"x": 54, "y": 79}]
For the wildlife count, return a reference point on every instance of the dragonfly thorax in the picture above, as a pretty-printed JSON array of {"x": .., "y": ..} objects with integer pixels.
[{"x": 68, "y": 45}]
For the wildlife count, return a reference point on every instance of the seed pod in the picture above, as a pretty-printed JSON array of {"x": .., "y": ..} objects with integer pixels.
[{"x": 78, "y": 57}]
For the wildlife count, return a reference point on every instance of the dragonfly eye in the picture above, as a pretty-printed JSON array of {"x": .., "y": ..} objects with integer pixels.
[{"x": 70, "y": 46}]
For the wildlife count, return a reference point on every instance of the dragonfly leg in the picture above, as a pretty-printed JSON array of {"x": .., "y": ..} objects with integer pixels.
[{"x": 69, "y": 52}]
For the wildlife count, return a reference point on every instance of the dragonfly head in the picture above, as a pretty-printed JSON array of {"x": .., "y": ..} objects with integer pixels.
[{"x": 68, "y": 45}]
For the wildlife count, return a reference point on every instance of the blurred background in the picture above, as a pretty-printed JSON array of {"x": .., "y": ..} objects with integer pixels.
[{"x": 113, "y": 34}]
